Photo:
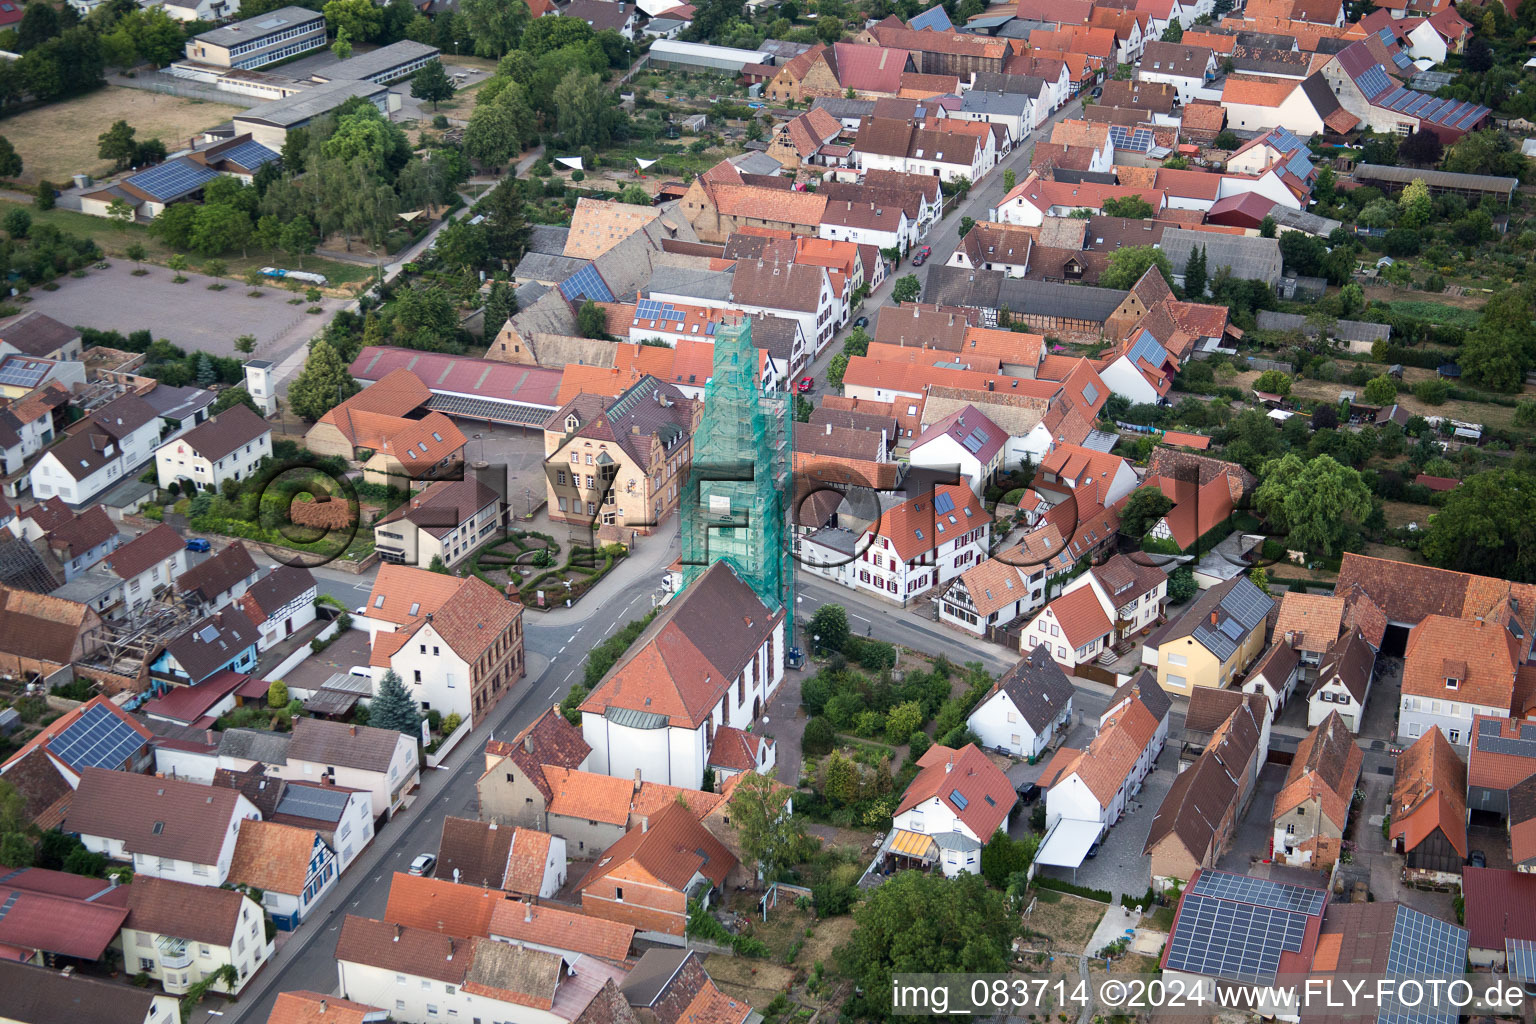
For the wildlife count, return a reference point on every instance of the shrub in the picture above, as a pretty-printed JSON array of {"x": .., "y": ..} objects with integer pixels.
[
  {"x": 832, "y": 897},
  {"x": 917, "y": 745},
  {"x": 1076, "y": 890},
  {"x": 819, "y": 736}
]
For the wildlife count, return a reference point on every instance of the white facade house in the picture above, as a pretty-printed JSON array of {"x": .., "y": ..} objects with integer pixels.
[
  {"x": 951, "y": 810},
  {"x": 885, "y": 227},
  {"x": 108, "y": 448},
  {"x": 182, "y": 935},
  {"x": 714, "y": 658},
  {"x": 280, "y": 604},
  {"x": 1186, "y": 68},
  {"x": 1029, "y": 706},
  {"x": 797, "y": 291},
  {"x": 292, "y": 866},
  {"x": 1092, "y": 785},
  {"x": 1074, "y": 629},
  {"x": 147, "y": 565},
  {"x": 1343, "y": 682},
  {"x": 227, "y": 447},
  {"x": 380, "y": 762},
  {"x": 168, "y": 829},
  {"x": 920, "y": 544},
  {"x": 965, "y": 439},
  {"x": 77, "y": 539},
  {"x": 190, "y": 10}
]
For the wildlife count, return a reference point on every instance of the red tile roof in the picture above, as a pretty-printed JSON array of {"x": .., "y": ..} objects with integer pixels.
[
  {"x": 1499, "y": 905},
  {"x": 561, "y": 928},
  {"x": 1429, "y": 793},
  {"x": 985, "y": 794},
  {"x": 1481, "y": 656},
  {"x": 440, "y": 906},
  {"x": 914, "y": 528},
  {"x": 671, "y": 848}
]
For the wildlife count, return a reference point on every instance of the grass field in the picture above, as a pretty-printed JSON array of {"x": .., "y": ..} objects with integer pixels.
[
  {"x": 114, "y": 240},
  {"x": 756, "y": 982},
  {"x": 1497, "y": 416},
  {"x": 59, "y": 140}
]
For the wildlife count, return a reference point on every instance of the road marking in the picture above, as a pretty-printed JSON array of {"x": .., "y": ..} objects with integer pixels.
[
  {"x": 554, "y": 691},
  {"x": 612, "y": 624},
  {"x": 573, "y": 637},
  {"x": 854, "y": 615},
  {"x": 562, "y": 649}
]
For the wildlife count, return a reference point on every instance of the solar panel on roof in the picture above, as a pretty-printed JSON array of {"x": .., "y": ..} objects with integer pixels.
[
  {"x": 1422, "y": 946},
  {"x": 1233, "y": 940},
  {"x": 22, "y": 373},
  {"x": 308, "y": 802},
  {"x": 1090, "y": 394},
  {"x": 1401, "y": 60},
  {"x": 1232, "y": 628},
  {"x": 172, "y": 179},
  {"x": 488, "y": 409},
  {"x": 958, "y": 799},
  {"x": 250, "y": 155},
  {"x": 586, "y": 283},
  {"x": 1261, "y": 891},
  {"x": 1520, "y": 955},
  {"x": 1247, "y": 604},
  {"x": 1385, "y": 35},
  {"x": 943, "y": 502},
  {"x": 97, "y": 739},
  {"x": 1373, "y": 81}
]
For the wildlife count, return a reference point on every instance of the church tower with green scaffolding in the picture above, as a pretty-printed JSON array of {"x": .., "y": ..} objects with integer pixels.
[{"x": 735, "y": 507}]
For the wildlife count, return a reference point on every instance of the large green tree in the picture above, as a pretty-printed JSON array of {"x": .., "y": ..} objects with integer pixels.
[
  {"x": 1143, "y": 509},
  {"x": 10, "y": 160},
  {"x": 830, "y": 624},
  {"x": 362, "y": 20},
  {"x": 906, "y": 289},
  {"x": 1499, "y": 351},
  {"x": 768, "y": 832},
  {"x": 394, "y": 708},
  {"x": 1487, "y": 526},
  {"x": 431, "y": 82},
  {"x": 323, "y": 384},
  {"x": 583, "y": 109},
  {"x": 1127, "y": 264},
  {"x": 1318, "y": 503},
  {"x": 925, "y": 923},
  {"x": 495, "y": 26},
  {"x": 117, "y": 144}
]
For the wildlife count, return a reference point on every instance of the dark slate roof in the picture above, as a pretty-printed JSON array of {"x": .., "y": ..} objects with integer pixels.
[
  {"x": 1038, "y": 688},
  {"x": 993, "y": 289},
  {"x": 1144, "y": 687},
  {"x": 214, "y": 576},
  {"x": 352, "y": 746},
  {"x": 278, "y": 587},
  {"x": 255, "y": 745},
  {"x": 36, "y": 334},
  {"x": 41, "y": 995},
  {"x": 1349, "y": 661},
  {"x": 217, "y": 437},
  {"x": 651, "y": 974},
  {"x": 213, "y": 643},
  {"x": 1239, "y": 607}
]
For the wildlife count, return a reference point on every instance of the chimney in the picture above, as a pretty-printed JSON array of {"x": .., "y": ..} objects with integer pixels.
[
  {"x": 528, "y": 740},
  {"x": 450, "y": 948},
  {"x": 645, "y": 823},
  {"x": 397, "y": 934},
  {"x": 322, "y": 1006},
  {"x": 527, "y": 912},
  {"x": 637, "y": 780},
  {"x": 1213, "y": 618},
  {"x": 353, "y": 730}
]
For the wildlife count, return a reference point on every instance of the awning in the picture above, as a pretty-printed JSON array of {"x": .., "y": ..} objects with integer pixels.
[
  {"x": 1068, "y": 843},
  {"x": 911, "y": 844}
]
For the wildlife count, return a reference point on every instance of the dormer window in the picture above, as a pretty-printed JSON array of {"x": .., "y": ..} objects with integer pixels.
[{"x": 1452, "y": 682}]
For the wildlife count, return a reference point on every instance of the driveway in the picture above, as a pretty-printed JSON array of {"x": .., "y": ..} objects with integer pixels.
[
  {"x": 520, "y": 450},
  {"x": 1250, "y": 843},
  {"x": 187, "y": 315}
]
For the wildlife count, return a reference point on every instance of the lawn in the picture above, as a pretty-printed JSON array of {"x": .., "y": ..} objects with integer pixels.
[
  {"x": 58, "y": 140},
  {"x": 1401, "y": 513},
  {"x": 755, "y": 981},
  {"x": 1065, "y": 922},
  {"x": 1499, "y": 417},
  {"x": 1437, "y": 312},
  {"x": 114, "y": 239}
]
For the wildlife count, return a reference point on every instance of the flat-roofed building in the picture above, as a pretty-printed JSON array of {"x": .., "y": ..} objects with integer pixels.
[{"x": 262, "y": 40}]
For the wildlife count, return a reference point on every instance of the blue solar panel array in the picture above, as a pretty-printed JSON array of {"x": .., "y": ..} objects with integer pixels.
[
  {"x": 250, "y": 155},
  {"x": 172, "y": 179},
  {"x": 1137, "y": 140},
  {"x": 1285, "y": 140},
  {"x": 655, "y": 309},
  {"x": 975, "y": 441},
  {"x": 97, "y": 739},
  {"x": 1520, "y": 955},
  {"x": 935, "y": 18},
  {"x": 1401, "y": 60},
  {"x": 585, "y": 284},
  {"x": 1373, "y": 81},
  {"x": 1423, "y": 947},
  {"x": 1233, "y": 940},
  {"x": 943, "y": 502},
  {"x": 1299, "y": 165},
  {"x": 1385, "y": 35},
  {"x": 1225, "y": 885},
  {"x": 23, "y": 373},
  {"x": 1146, "y": 347}
]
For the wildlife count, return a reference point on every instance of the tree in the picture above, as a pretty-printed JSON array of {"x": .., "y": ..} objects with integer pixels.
[
  {"x": 1273, "y": 382},
  {"x": 1127, "y": 264},
  {"x": 1003, "y": 856},
  {"x": 323, "y": 383},
  {"x": 1267, "y": 227},
  {"x": 116, "y": 144},
  {"x": 1415, "y": 205},
  {"x": 1487, "y": 526},
  {"x": 1381, "y": 390},
  {"x": 922, "y": 922},
  {"x": 1432, "y": 392},
  {"x": 1174, "y": 32},
  {"x": 277, "y": 695},
  {"x": 245, "y": 344},
  {"x": 829, "y": 29},
  {"x": 17, "y": 850},
  {"x": 966, "y": 224},
  {"x": 394, "y": 708},
  {"x": 583, "y": 109},
  {"x": 1227, "y": 139},
  {"x": 233, "y": 396},
  {"x": 1143, "y": 509},
  {"x": 1134, "y": 207},
  {"x": 591, "y": 320},
  {"x": 136, "y": 252},
  {"x": 634, "y": 195},
  {"x": 1351, "y": 297},
  {"x": 342, "y": 47},
  {"x": 1182, "y": 585},
  {"x": 906, "y": 289},
  {"x": 298, "y": 239},
  {"x": 500, "y": 304},
  {"x": 207, "y": 376},
  {"x": 439, "y": 566},
  {"x": 1318, "y": 503},
  {"x": 219, "y": 227},
  {"x": 1422, "y": 149},
  {"x": 840, "y": 782},
  {"x": 431, "y": 82},
  {"x": 837, "y": 366},
  {"x": 819, "y": 737},
  {"x": 1479, "y": 55},
  {"x": 902, "y": 721},
  {"x": 1497, "y": 354},
  {"x": 1009, "y": 179},
  {"x": 1325, "y": 417},
  {"x": 1194, "y": 273},
  {"x": 1259, "y": 577},
  {"x": 10, "y": 160},
  {"x": 494, "y": 27},
  {"x": 177, "y": 263},
  {"x": 361, "y": 20},
  {"x": 18, "y": 222},
  {"x": 768, "y": 833},
  {"x": 828, "y": 627},
  {"x": 493, "y": 136}
]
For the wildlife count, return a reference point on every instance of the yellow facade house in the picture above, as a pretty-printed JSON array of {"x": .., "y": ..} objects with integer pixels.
[{"x": 1214, "y": 642}]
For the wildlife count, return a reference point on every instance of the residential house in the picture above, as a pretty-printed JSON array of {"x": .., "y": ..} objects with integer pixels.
[
  {"x": 1274, "y": 675},
  {"x": 1343, "y": 682},
  {"x": 1371, "y": 92},
  {"x": 227, "y": 447},
  {"x": 996, "y": 592},
  {"x": 570, "y": 933},
  {"x": 811, "y": 74},
  {"x": 185, "y": 935},
  {"x": 387, "y": 429},
  {"x": 1087, "y": 790},
  {"x": 459, "y": 655},
  {"x": 343, "y": 817},
  {"x": 521, "y": 860},
  {"x": 994, "y": 247},
  {"x": 804, "y": 138},
  {"x": 39, "y": 337},
  {"x": 802, "y": 292},
  {"x": 1502, "y": 754},
  {"x": 379, "y": 762},
  {"x": 78, "y": 540},
  {"x": 292, "y": 867},
  {"x": 1405, "y": 594},
  {"x": 1455, "y": 670},
  {"x": 1194, "y": 825},
  {"x": 1069, "y": 468},
  {"x": 1492, "y": 902},
  {"x": 919, "y": 544},
  {"x": 889, "y": 144},
  {"x": 603, "y": 15},
  {"x": 168, "y": 829},
  {"x": 1143, "y": 369},
  {"x": 1074, "y": 629},
  {"x": 40, "y": 995},
  {"x": 1312, "y": 808},
  {"x": 1204, "y": 490},
  {"x": 1522, "y": 825},
  {"x": 713, "y": 657},
  {"x": 1018, "y": 112},
  {"x": 950, "y": 811},
  {"x": 280, "y": 604},
  {"x": 724, "y": 200},
  {"x": 1030, "y": 706},
  {"x": 445, "y": 521},
  {"x": 1214, "y": 641},
  {"x": 215, "y": 583},
  {"x": 1429, "y": 810},
  {"x": 99, "y": 452},
  {"x": 314, "y": 1008},
  {"x": 97, "y": 734},
  {"x": 26, "y": 427},
  {"x": 637, "y": 450},
  {"x": 224, "y": 640},
  {"x": 1309, "y": 624},
  {"x": 514, "y": 788},
  {"x": 648, "y": 878},
  {"x": 868, "y": 223},
  {"x": 1187, "y": 68},
  {"x": 146, "y": 566},
  {"x": 1035, "y": 199},
  {"x": 965, "y": 440}
]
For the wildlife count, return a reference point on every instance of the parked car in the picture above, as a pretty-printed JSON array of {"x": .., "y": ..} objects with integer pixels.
[
  {"x": 1479, "y": 859},
  {"x": 919, "y": 259},
  {"x": 1029, "y": 794},
  {"x": 361, "y": 671},
  {"x": 925, "y": 251},
  {"x": 806, "y": 385},
  {"x": 423, "y": 864},
  {"x": 198, "y": 544},
  {"x": 862, "y": 321},
  {"x": 1093, "y": 851}
]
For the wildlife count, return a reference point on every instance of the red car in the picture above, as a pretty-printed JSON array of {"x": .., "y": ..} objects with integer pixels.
[
  {"x": 925, "y": 251},
  {"x": 919, "y": 259},
  {"x": 806, "y": 385}
]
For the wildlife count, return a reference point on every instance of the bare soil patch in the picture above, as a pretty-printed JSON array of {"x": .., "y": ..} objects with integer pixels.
[
  {"x": 755, "y": 981},
  {"x": 1062, "y": 921}
]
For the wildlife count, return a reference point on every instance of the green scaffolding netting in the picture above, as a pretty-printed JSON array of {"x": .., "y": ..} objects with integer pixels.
[{"x": 735, "y": 507}]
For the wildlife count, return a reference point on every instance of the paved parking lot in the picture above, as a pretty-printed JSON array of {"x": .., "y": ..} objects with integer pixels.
[
  {"x": 519, "y": 449},
  {"x": 187, "y": 315},
  {"x": 349, "y": 649}
]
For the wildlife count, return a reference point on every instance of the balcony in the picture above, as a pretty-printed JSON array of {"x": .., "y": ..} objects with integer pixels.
[{"x": 175, "y": 954}]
